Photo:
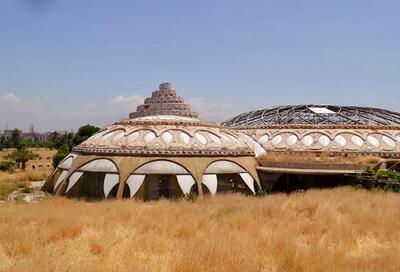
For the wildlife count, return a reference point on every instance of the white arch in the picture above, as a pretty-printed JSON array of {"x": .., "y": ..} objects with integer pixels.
[
  {"x": 134, "y": 182},
  {"x": 161, "y": 167},
  {"x": 67, "y": 162},
  {"x": 100, "y": 165},
  {"x": 210, "y": 179},
  {"x": 73, "y": 179},
  {"x": 211, "y": 182},
  {"x": 224, "y": 167},
  {"x": 110, "y": 180},
  {"x": 248, "y": 179},
  {"x": 185, "y": 182},
  {"x": 60, "y": 179}
]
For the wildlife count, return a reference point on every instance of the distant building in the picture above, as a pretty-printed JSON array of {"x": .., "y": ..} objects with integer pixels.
[
  {"x": 7, "y": 133},
  {"x": 28, "y": 136}
]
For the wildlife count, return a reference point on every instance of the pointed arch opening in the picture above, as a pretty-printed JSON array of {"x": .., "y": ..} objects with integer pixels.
[
  {"x": 160, "y": 179},
  {"x": 95, "y": 180},
  {"x": 59, "y": 174},
  {"x": 224, "y": 176}
]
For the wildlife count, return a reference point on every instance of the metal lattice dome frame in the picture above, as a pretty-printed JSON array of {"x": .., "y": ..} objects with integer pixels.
[{"x": 313, "y": 114}]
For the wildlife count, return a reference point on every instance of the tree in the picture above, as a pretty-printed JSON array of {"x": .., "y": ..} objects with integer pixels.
[
  {"x": 60, "y": 155},
  {"x": 22, "y": 156},
  {"x": 15, "y": 139},
  {"x": 2, "y": 143},
  {"x": 64, "y": 142},
  {"x": 58, "y": 140},
  {"x": 84, "y": 133}
]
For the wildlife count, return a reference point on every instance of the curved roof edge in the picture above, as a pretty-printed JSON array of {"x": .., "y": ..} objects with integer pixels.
[{"x": 316, "y": 114}]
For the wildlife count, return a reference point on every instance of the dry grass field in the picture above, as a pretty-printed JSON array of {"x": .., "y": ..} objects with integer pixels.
[
  {"x": 342, "y": 229},
  {"x": 20, "y": 179},
  {"x": 44, "y": 161},
  {"x": 38, "y": 169}
]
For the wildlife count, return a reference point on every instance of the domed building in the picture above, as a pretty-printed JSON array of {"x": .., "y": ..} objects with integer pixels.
[
  {"x": 323, "y": 128},
  {"x": 303, "y": 146},
  {"x": 163, "y": 150}
]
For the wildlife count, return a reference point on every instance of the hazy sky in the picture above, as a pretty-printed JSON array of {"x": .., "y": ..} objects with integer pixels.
[{"x": 64, "y": 63}]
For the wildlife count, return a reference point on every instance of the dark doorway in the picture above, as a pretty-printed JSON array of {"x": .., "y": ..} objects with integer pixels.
[
  {"x": 161, "y": 186},
  {"x": 93, "y": 185},
  {"x": 295, "y": 182},
  {"x": 89, "y": 186},
  {"x": 232, "y": 183}
]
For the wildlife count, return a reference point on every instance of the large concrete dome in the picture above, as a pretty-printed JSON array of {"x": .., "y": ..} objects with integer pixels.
[
  {"x": 165, "y": 135},
  {"x": 157, "y": 154}
]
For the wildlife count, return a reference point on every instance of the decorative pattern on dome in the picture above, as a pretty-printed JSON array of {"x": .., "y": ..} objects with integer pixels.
[
  {"x": 178, "y": 136},
  {"x": 366, "y": 141},
  {"x": 165, "y": 126},
  {"x": 164, "y": 101}
]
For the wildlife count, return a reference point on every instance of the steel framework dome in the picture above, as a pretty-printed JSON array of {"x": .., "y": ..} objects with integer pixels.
[{"x": 313, "y": 114}]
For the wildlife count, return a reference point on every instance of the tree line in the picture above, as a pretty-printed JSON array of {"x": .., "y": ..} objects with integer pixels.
[{"x": 62, "y": 142}]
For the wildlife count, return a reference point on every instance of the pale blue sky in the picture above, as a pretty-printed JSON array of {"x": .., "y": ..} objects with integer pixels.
[{"x": 68, "y": 62}]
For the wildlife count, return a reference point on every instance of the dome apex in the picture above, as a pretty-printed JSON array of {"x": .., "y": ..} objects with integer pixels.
[{"x": 164, "y": 101}]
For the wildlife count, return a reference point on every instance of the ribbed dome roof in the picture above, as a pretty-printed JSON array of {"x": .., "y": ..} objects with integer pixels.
[
  {"x": 165, "y": 135},
  {"x": 316, "y": 115}
]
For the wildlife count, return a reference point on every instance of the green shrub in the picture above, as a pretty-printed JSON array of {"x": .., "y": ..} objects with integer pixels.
[
  {"x": 262, "y": 193},
  {"x": 191, "y": 196},
  {"x": 383, "y": 179},
  {"x": 60, "y": 155},
  {"x": 7, "y": 166},
  {"x": 370, "y": 170},
  {"x": 26, "y": 190}
]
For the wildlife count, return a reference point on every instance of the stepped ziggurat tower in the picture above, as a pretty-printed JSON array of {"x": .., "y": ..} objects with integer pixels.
[{"x": 164, "y": 101}]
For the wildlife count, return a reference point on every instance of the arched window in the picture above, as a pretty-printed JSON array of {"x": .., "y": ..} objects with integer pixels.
[
  {"x": 94, "y": 180},
  {"x": 160, "y": 179},
  {"x": 226, "y": 176},
  {"x": 59, "y": 174}
]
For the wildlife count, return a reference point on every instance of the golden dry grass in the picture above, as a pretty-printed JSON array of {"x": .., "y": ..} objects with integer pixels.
[
  {"x": 310, "y": 157},
  {"x": 11, "y": 181},
  {"x": 320, "y": 230},
  {"x": 42, "y": 169}
]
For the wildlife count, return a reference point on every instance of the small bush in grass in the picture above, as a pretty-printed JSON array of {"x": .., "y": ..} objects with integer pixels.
[
  {"x": 26, "y": 190},
  {"x": 7, "y": 166},
  {"x": 383, "y": 179},
  {"x": 22, "y": 156},
  {"x": 262, "y": 193}
]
